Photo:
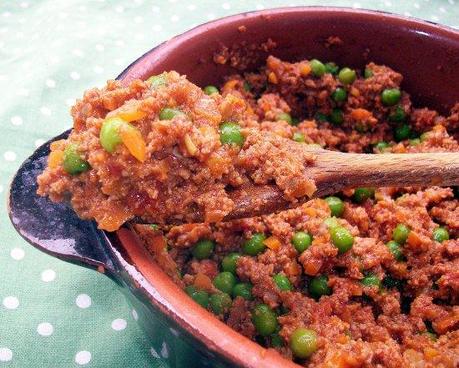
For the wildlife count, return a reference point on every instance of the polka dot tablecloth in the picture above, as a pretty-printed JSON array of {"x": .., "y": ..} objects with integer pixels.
[{"x": 53, "y": 314}]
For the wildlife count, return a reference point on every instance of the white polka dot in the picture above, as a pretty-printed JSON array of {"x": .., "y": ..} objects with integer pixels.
[
  {"x": 3, "y": 77},
  {"x": 83, "y": 301},
  {"x": 70, "y": 101},
  {"x": 175, "y": 18},
  {"x": 98, "y": 69},
  {"x": 17, "y": 254},
  {"x": 388, "y": 3},
  {"x": 48, "y": 275},
  {"x": 16, "y": 120},
  {"x": 119, "y": 324},
  {"x": 154, "y": 353},
  {"x": 157, "y": 27},
  {"x": 138, "y": 19},
  {"x": 1, "y": 188},
  {"x": 119, "y": 9},
  {"x": 135, "y": 315},
  {"x": 451, "y": 2},
  {"x": 54, "y": 59},
  {"x": 39, "y": 142},
  {"x": 10, "y": 302},
  {"x": 24, "y": 5},
  {"x": 6, "y": 14},
  {"x": 119, "y": 62},
  {"x": 78, "y": 52},
  {"x": 442, "y": 9},
  {"x": 45, "y": 110},
  {"x": 119, "y": 42},
  {"x": 210, "y": 16},
  {"x": 23, "y": 92},
  {"x": 5, "y": 355},
  {"x": 83, "y": 357},
  {"x": 9, "y": 156},
  {"x": 416, "y": 5},
  {"x": 45, "y": 329},
  {"x": 226, "y": 6},
  {"x": 50, "y": 83},
  {"x": 75, "y": 75},
  {"x": 191, "y": 7},
  {"x": 63, "y": 15},
  {"x": 259, "y": 6},
  {"x": 100, "y": 47},
  {"x": 155, "y": 9}
]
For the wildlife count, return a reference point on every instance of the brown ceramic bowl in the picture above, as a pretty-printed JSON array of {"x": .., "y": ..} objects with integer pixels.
[{"x": 426, "y": 54}]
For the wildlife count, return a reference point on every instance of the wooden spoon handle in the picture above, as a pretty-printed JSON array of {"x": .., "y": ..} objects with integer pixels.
[{"x": 335, "y": 171}]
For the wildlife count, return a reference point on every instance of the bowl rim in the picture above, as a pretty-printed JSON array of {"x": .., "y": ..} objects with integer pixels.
[{"x": 220, "y": 338}]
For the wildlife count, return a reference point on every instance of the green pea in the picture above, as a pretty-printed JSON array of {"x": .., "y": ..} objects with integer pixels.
[
  {"x": 400, "y": 233},
  {"x": 157, "y": 80},
  {"x": 230, "y": 133},
  {"x": 402, "y": 132},
  {"x": 432, "y": 336},
  {"x": 318, "y": 286},
  {"x": 285, "y": 116},
  {"x": 347, "y": 76},
  {"x": 368, "y": 73},
  {"x": 220, "y": 303},
  {"x": 395, "y": 249},
  {"x": 390, "y": 96},
  {"x": 244, "y": 290},
  {"x": 336, "y": 116},
  {"x": 303, "y": 342},
  {"x": 336, "y": 206},
  {"x": 203, "y": 249},
  {"x": 318, "y": 69},
  {"x": 414, "y": 141},
  {"x": 331, "y": 68},
  {"x": 339, "y": 95},
  {"x": 168, "y": 113},
  {"x": 341, "y": 238},
  {"x": 320, "y": 116},
  {"x": 440, "y": 234},
  {"x": 225, "y": 282},
  {"x": 282, "y": 282},
  {"x": 254, "y": 245},
  {"x": 371, "y": 280},
  {"x": 109, "y": 136},
  {"x": 247, "y": 87},
  {"x": 154, "y": 227},
  {"x": 210, "y": 90},
  {"x": 199, "y": 296},
  {"x": 229, "y": 262},
  {"x": 264, "y": 319},
  {"x": 301, "y": 241},
  {"x": 73, "y": 163},
  {"x": 398, "y": 115},
  {"x": 424, "y": 136},
  {"x": 381, "y": 146},
  {"x": 298, "y": 137},
  {"x": 362, "y": 194},
  {"x": 276, "y": 341},
  {"x": 331, "y": 222}
]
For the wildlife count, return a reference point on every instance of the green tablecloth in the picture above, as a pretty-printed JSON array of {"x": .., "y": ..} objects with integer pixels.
[{"x": 54, "y": 314}]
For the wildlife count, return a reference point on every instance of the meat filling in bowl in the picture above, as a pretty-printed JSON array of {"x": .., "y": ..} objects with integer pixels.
[{"x": 365, "y": 278}]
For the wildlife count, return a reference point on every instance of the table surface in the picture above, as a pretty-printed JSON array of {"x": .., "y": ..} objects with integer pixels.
[{"x": 55, "y": 314}]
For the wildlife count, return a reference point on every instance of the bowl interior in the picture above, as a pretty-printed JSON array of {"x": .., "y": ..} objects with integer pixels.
[{"x": 426, "y": 54}]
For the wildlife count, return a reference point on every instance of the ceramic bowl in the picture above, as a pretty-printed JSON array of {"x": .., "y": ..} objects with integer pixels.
[{"x": 183, "y": 333}]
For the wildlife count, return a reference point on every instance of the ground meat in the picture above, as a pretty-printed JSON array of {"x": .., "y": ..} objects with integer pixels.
[{"x": 371, "y": 304}]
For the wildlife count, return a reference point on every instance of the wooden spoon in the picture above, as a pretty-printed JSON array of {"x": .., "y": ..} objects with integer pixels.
[{"x": 335, "y": 171}]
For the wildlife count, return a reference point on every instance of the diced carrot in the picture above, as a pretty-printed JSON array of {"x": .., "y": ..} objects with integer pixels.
[
  {"x": 129, "y": 112},
  {"x": 293, "y": 269},
  {"x": 203, "y": 282},
  {"x": 305, "y": 69},
  {"x": 312, "y": 267},
  {"x": 430, "y": 353},
  {"x": 190, "y": 146},
  {"x": 414, "y": 239},
  {"x": 310, "y": 211},
  {"x": 272, "y": 77},
  {"x": 55, "y": 159},
  {"x": 272, "y": 243},
  {"x": 447, "y": 323},
  {"x": 231, "y": 84},
  {"x": 361, "y": 114},
  {"x": 218, "y": 164},
  {"x": 355, "y": 92},
  {"x": 133, "y": 140}
]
